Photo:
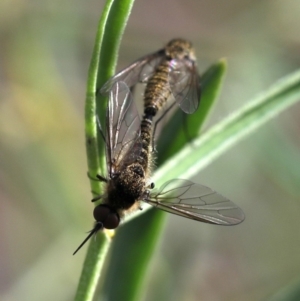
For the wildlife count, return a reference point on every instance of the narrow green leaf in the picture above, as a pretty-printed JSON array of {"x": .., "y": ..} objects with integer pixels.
[
  {"x": 90, "y": 102},
  {"x": 114, "y": 30},
  {"x": 92, "y": 267},
  {"x": 281, "y": 165},
  {"x": 110, "y": 29}
]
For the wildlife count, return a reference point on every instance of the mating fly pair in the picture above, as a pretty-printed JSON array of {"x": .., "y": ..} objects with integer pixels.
[{"x": 168, "y": 73}]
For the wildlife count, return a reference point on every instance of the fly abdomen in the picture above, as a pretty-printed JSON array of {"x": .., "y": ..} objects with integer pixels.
[
  {"x": 146, "y": 136},
  {"x": 157, "y": 90}
]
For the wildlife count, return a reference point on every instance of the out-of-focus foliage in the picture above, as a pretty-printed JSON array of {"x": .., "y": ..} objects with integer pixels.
[{"x": 45, "y": 199}]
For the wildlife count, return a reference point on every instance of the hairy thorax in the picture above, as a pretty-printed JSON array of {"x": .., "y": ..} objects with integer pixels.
[{"x": 127, "y": 187}]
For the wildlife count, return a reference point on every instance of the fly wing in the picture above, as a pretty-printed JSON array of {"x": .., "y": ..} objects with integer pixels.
[
  {"x": 139, "y": 71},
  {"x": 122, "y": 128},
  {"x": 185, "y": 84},
  {"x": 197, "y": 202}
]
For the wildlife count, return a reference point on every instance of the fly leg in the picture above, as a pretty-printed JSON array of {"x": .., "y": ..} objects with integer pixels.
[
  {"x": 98, "y": 197},
  {"x": 98, "y": 178}
]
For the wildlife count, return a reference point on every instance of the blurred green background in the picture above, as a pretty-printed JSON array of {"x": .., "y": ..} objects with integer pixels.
[{"x": 45, "y": 195}]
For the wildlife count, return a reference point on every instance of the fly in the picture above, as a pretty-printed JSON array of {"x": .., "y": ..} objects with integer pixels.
[
  {"x": 169, "y": 72},
  {"x": 128, "y": 183}
]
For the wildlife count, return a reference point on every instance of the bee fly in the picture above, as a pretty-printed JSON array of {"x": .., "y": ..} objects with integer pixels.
[
  {"x": 169, "y": 72},
  {"x": 129, "y": 162}
]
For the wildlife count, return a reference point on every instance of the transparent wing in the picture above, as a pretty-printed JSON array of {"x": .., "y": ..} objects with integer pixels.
[
  {"x": 122, "y": 128},
  {"x": 139, "y": 71},
  {"x": 185, "y": 84},
  {"x": 197, "y": 202}
]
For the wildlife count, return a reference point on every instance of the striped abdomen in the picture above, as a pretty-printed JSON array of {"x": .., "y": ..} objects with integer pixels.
[{"x": 157, "y": 90}]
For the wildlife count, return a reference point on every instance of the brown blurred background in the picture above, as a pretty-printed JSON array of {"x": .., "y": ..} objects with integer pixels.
[{"x": 44, "y": 191}]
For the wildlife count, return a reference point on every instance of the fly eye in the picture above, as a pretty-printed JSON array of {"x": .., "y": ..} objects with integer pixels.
[{"x": 109, "y": 218}]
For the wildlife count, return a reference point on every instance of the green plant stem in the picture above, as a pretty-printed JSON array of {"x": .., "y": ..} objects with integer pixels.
[
  {"x": 114, "y": 29},
  {"x": 110, "y": 29},
  {"x": 92, "y": 267},
  {"x": 90, "y": 102}
]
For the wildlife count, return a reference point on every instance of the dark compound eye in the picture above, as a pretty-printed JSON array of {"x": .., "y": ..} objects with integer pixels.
[{"x": 107, "y": 216}]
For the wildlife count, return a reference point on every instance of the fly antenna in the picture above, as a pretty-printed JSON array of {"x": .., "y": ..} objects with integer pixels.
[{"x": 97, "y": 227}]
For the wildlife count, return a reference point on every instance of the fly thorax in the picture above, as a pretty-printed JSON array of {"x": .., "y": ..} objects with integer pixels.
[{"x": 130, "y": 185}]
